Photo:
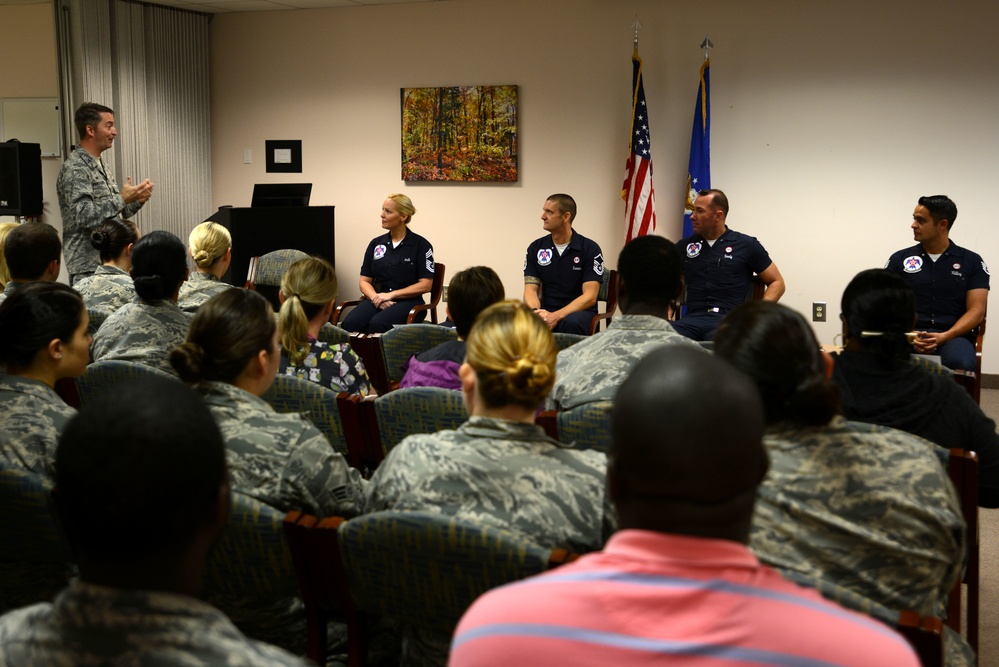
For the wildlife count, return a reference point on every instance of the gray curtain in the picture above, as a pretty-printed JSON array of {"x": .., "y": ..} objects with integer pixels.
[{"x": 150, "y": 64}]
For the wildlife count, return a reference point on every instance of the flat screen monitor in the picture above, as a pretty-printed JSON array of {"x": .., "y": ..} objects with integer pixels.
[{"x": 281, "y": 194}]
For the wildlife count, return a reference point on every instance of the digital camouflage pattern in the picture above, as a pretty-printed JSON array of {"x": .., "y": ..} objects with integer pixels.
[
  {"x": 32, "y": 419},
  {"x": 143, "y": 332},
  {"x": 91, "y": 625},
  {"x": 500, "y": 473},
  {"x": 593, "y": 369},
  {"x": 88, "y": 195},
  {"x": 108, "y": 289},
  {"x": 198, "y": 288},
  {"x": 866, "y": 507},
  {"x": 281, "y": 459},
  {"x": 336, "y": 367}
]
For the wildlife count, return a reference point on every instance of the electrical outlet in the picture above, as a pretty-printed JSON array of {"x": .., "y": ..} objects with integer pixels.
[
  {"x": 818, "y": 311},
  {"x": 444, "y": 296}
]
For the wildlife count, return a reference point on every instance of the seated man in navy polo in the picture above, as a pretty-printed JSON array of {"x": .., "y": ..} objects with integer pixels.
[
  {"x": 718, "y": 266},
  {"x": 950, "y": 282},
  {"x": 562, "y": 271}
]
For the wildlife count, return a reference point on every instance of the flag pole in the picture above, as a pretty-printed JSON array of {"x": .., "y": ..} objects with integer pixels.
[
  {"x": 707, "y": 44},
  {"x": 637, "y": 25}
]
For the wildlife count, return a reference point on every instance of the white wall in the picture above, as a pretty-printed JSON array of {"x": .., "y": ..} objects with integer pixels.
[
  {"x": 829, "y": 120},
  {"x": 28, "y": 68}
]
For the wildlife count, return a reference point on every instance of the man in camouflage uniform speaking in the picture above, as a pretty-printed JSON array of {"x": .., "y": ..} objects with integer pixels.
[
  {"x": 87, "y": 190},
  {"x": 143, "y": 493}
]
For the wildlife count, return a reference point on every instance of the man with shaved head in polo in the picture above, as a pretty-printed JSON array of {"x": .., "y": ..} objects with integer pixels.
[{"x": 677, "y": 581}]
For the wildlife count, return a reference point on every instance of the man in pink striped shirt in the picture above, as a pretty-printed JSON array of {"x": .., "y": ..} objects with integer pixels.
[{"x": 677, "y": 584}]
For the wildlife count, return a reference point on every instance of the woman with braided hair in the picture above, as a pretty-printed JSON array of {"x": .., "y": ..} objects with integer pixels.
[{"x": 308, "y": 292}]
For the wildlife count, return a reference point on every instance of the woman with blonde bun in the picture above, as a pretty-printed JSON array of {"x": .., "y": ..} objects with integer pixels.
[
  {"x": 111, "y": 287},
  {"x": 308, "y": 292},
  {"x": 210, "y": 246},
  {"x": 5, "y": 229},
  {"x": 499, "y": 468},
  {"x": 397, "y": 270}
]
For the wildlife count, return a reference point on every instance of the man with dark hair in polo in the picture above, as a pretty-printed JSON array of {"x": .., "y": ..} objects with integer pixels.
[
  {"x": 143, "y": 492},
  {"x": 951, "y": 284},
  {"x": 563, "y": 270}
]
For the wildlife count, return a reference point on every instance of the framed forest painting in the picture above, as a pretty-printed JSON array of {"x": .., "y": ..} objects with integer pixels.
[{"x": 459, "y": 133}]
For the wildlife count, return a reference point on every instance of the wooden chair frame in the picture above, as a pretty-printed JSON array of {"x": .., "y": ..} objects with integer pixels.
[
  {"x": 436, "y": 291},
  {"x": 608, "y": 291}
]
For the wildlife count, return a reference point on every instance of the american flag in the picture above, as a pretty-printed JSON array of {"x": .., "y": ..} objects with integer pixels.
[{"x": 637, "y": 192}]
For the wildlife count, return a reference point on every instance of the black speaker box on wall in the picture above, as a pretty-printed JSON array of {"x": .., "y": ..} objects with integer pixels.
[{"x": 20, "y": 179}]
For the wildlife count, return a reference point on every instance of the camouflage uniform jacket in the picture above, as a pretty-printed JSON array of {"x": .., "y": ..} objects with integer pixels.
[
  {"x": 88, "y": 195},
  {"x": 32, "y": 418},
  {"x": 143, "y": 332},
  {"x": 198, "y": 288},
  {"x": 867, "y": 507},
  {"x": 91, "y": 625},
  {"x": 593, "y": 369},
  {"x": 108, "y": 289},
  {"x": 281, "y": 459},
  {"x": 502, "y": 473},
  {"x": 335, "y": 366}
]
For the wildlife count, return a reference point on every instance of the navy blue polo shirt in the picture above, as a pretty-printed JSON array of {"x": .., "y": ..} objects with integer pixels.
[
  {"x": 562, "y": 276},
  {"x": 395, "y": 268},
  {"x": 718, "y": 276},
  {"x": 942, "y": 286}
]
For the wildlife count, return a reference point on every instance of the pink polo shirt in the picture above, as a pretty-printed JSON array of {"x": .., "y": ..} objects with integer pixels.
[{"x": 652, "y": 598}]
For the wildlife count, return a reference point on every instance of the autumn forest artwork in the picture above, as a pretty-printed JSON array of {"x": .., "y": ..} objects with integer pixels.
[{"x": 459, "y": 133}]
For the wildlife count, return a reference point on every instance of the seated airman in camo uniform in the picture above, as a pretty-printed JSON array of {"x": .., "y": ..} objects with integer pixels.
[
  {"x": 867, "y": 507},
  {"x": 143, "y": 494},
  {"x": 499, "y": 468},
  {"x": 145, "y": 330},
  {"x": 210, "y": 246},
  {"x": 308, "y": 293},
  {"x": 111, "y": 287},
  {"x": 281, "y": 459},
  {"x": 649, "y": 269},
  {"x": 32, "y": 252},
  {"x": 43, "y": 338}
]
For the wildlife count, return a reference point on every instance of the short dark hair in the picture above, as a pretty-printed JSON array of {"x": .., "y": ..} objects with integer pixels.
[
  {"x": 673, "y": 453},
  {"x": 469, "y": 293},
  {"x": 880, "y": 301},
  {"x": 138, "y": 471},
  {"x": 29, "y": 250},
  {"x": 159, "y": 265},
  {"x": 34, "y": 315},
  {"x": 566, "y": 204},
  {"x": 650, "y": 268},
  {"x": 776, "y": 347},
  {"x": 718, "y": 199},
  {"x": 940, "y": 208},
  {"x": 112, "y": 237},
  {"x": 89, "y": 113},
  {"x": 226, "y": 333}
]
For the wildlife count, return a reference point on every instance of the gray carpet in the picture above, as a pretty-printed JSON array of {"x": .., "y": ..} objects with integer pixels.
[{"x": 988, "y": 643}]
